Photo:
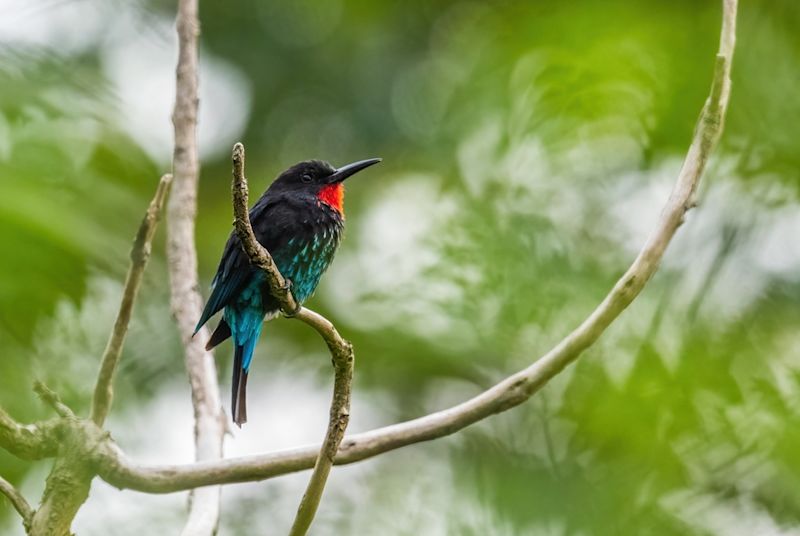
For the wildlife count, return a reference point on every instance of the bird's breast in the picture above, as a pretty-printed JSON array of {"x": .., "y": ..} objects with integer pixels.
[{"x": 305, "y": 258}]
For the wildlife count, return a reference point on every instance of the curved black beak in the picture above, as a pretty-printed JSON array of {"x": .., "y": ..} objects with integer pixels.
[{"x": 351, "y": 169}]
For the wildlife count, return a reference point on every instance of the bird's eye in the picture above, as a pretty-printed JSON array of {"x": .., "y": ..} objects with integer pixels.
[{"x": 306, "y": 178}]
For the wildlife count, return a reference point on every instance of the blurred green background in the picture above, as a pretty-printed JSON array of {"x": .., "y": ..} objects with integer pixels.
[{"x": 528, "y": 147}]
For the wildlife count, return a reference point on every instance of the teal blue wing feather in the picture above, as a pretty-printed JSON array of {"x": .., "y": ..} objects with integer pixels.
[{"x": 273, "y": 222}]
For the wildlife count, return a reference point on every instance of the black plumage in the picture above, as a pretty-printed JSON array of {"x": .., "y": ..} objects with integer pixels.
[{"x": 300, "y": 221}]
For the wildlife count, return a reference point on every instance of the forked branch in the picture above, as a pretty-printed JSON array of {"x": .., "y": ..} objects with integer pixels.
[
  {"x": 71, "y": 440},
  {"x": 341, "y": 351}
]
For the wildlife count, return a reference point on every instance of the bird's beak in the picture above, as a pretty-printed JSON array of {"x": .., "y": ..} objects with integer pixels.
[{"x": 351, "y": 169}]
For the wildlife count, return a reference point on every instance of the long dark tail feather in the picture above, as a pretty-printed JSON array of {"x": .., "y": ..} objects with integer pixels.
[
  {"x": 222, "y": 332},
  {"x": 239, "y": 387}
]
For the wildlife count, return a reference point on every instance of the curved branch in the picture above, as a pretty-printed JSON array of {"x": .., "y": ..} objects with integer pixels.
[
  {"x": 140, "y": 254},
  {"x": 512, "y": 391},
  {"x": 343, "y": 361},
  {"x": 341, "y": 350},
  {"x": 182, "y": 256},
  {"x": 17, "y": 501}
]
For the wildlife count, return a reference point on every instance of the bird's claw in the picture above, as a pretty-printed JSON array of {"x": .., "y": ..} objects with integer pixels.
[
  {"x": 287, "y": 287},
  {"x": 293, "y": 312}
]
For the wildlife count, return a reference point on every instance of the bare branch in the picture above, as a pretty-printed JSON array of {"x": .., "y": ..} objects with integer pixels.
[
  {"x": 68, "y": 438},
  {"x": 51, "y": 398},
  {"x": 258, "y": 255},
  {"x": 182, "y": 256},
  {"x": 341, "y": 350},
  {"x": 140, "y": 254},
  {"x": 70, "y": 477},
  {"x": 67, "y": 485},
  {"x": 343, "y": 361},
  {"x": 27, "y": 442},
  {"x": 17, "y": 501},
  {"x": 512, "y": 391}
]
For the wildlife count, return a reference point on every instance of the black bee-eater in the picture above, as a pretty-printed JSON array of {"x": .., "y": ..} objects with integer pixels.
[{"x": 299, "y": 220}]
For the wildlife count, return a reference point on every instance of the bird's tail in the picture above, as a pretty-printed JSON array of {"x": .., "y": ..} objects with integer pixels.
[
  {"x": 222, "y": 332},
  {"x": 239, "y": 386},
  {"x": 242, "y": 356}
]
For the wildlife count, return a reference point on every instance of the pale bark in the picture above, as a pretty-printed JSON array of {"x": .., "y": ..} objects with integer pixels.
[{"x": 185, "y": 299}]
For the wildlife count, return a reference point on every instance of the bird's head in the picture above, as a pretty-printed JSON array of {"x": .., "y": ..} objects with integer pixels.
[{"x": 320, "y": 179}]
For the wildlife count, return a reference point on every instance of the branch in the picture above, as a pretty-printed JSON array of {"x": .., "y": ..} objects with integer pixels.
[
  {"x": 259, "y": 256},
  {"x": 51, "y": 398},
  {"x": 27, "y": 442},
  {"x": 70, "y": 477},
  {"x": 17, "y": 501},
  {"x": 343, "y": 360},
  {"x": 182, "y": 256},
  {"x": 68, "y": 483},
  {"x": 140, "y": 254},
  {"x": 73, "y": 439},
  {"x": 512, "y": 391},
  {"x": 341, "y": 350}
]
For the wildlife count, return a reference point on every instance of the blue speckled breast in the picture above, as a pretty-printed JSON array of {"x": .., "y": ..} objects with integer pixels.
[{"x": 304, "y": 260}]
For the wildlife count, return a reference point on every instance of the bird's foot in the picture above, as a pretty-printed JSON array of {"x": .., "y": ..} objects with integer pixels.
[
  {"x": 287, "y": 287},
  {"x": 294, "y": 312}
]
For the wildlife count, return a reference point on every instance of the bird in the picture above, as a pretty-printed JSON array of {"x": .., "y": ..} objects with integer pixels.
[{"x": 299, "y": 219}]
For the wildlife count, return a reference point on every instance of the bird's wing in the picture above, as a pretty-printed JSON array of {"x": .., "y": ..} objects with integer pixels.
[
  {"x": 231, "y": 276},
  {"x": 274, "y": 222}
]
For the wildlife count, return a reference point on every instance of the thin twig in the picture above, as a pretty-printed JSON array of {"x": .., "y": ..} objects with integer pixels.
[
  {"x": 341, "y": 350},
  {"x": 185, "y": 299},
  {"x": 512, "y": 391},
  {"x": 51, "y": 398},
  {"x": 17, "y": 501},
  {"x": 140, "y": 254}
]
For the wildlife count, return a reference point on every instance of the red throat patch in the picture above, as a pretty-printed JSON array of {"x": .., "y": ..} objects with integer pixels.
[{"x": 333, "y": 195}]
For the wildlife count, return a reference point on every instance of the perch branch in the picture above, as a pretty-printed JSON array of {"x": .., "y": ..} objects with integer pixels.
[
  {"x": 341, "y": 350},
  {"x": 140, "y": 254},
  {"x": 182, "y": 258},
  {"x": 17, "y": 501},
  {"x": 512, "y": 391},
  {"x": 258, "y": 255}
]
